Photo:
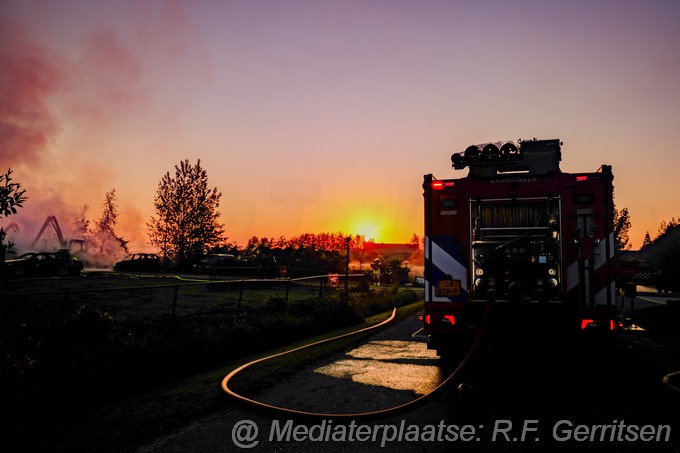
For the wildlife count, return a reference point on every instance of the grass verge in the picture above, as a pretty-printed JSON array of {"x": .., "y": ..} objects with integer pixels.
[{"x": 140, "y": 419}]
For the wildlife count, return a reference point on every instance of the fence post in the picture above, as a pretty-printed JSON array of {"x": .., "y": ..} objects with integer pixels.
[
  {"x": 174, "y": 302},
  {"x": 347, "y": 241},
  {"x": 287, "y": 289},
  {"x": 64, "y": 303},
  {"x": 240, "y": 300},
  {"x": 321, "y": 287}
]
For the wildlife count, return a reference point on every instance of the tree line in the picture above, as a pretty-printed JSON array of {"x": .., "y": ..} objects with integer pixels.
[
  {"x": 185, "y": 226},
  {"x": 665, "y": 229}
]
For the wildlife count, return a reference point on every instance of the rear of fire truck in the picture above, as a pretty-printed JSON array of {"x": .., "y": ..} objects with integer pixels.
[{"x": 519, "y": 233}]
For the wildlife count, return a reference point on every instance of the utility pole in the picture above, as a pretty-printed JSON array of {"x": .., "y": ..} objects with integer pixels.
[{"x": 347, "y": 241}]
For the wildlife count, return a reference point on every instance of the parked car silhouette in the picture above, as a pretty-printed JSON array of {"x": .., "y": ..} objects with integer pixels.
[
  {"x": 636, "y": 272},
  {"x": 215, "y": 262},
  {"x": 141, "y": 262},
  {"x": 59, "y": 263}
]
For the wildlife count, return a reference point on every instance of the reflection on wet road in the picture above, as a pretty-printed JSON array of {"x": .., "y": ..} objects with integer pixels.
[
  {"x": 385, "y": 371},
  {"x": 396, "y": 364}
]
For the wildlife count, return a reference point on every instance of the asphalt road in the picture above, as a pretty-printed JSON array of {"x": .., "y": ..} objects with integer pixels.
[{"x": 522, "y": 394}]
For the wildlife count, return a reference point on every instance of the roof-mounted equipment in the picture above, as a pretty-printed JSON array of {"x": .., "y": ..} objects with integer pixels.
[{"x": 489, "y": 159}]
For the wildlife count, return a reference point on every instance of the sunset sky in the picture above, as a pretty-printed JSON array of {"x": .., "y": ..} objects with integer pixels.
[{"x": 323, "y": 116}]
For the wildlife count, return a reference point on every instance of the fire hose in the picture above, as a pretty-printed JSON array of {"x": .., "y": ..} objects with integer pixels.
[{"x": 383, "y": 413}]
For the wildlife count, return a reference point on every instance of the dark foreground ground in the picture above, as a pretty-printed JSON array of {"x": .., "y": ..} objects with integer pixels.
[
  {"x": 592, "y": 395},
  {"x": 523, "y": 394}
]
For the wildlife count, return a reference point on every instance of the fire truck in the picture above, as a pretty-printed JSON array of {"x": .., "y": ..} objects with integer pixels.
[{"x": 518, "y": 233}]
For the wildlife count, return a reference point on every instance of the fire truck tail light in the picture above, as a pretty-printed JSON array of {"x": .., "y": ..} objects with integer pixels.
[
  {"x": 581, "y": 178},
  {"x": 444, "y": 319},
  {"x": 586, "y": 323},
  {"x": 440, "y": 185}
]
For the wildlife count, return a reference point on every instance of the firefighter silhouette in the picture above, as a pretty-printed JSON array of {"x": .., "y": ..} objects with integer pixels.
[
  {"x": 268, "y": 266},
  {"x": 376, "y": 265}
]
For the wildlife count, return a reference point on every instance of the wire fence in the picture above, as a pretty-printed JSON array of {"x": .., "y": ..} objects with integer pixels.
[
  {"x": 119, "y": 331},
  {"x": 142, "y": 300}
]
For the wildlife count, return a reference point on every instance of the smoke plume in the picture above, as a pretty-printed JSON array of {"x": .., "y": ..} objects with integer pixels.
[
  {"x": 29, "y": 76},
  {"x": 66, "y": 114}
]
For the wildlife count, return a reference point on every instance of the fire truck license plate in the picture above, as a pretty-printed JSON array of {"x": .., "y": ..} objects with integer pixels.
[{"x": 447, "y": 288}]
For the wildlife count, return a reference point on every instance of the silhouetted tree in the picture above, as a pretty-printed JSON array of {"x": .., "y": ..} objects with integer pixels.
[
  {"x": 621, "y": 228},
  {"x": 105, "y": 227},
  {"x": 186, "y": 222},
  {"x": 663, "y": 253},
  {"x": 81, "y": 224},
  {"x": 646, "y": 242},
  {"x": 12, "y": 196},
  {"x": 664, "y": 227}
]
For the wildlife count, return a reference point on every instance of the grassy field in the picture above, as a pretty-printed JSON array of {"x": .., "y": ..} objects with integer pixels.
[
  {"x": 143, "y": 417},
  {"x": 129, "y": 333}
]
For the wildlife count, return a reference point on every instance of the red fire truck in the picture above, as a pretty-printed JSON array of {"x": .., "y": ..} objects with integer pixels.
[{"x": 520, "y": 233}]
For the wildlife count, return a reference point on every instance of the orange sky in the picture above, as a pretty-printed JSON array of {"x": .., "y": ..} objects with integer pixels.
[{"x": 323, "y": 116}]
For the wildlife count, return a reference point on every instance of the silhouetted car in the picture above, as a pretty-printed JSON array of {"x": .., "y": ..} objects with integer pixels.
[
  {"x": 215, "y": 262},
  {"x": 636, "y": 272},
  {"x": 142, "y": 262},
  {"x": 44, "y": 263}
]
